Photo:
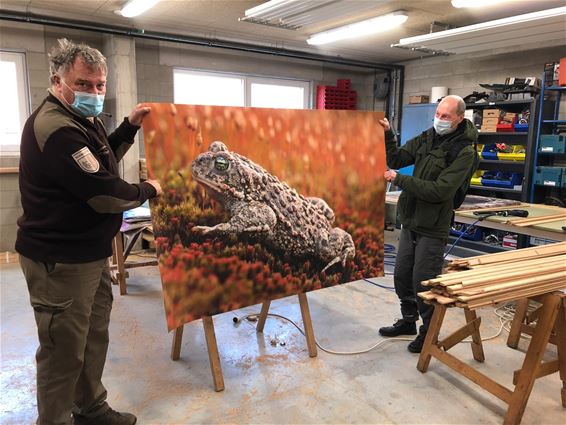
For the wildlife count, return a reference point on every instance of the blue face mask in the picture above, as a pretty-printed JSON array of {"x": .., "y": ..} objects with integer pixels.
[
  {"x": 87, "y": 104},
  {"x": 443, "y": 127}
]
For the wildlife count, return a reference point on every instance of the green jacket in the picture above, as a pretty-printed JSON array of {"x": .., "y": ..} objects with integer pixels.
[{"x": 425, "y": 205}]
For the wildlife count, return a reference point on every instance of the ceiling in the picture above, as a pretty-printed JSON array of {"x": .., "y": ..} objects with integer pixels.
[{"x": 219, "y": 19}]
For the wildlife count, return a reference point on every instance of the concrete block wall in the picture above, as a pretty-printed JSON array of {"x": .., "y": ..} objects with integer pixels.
[
  {"x": 30, "y": 40},
  {"x": 462, "y": 74},
  {"x": 10, "y": 210},
  {"x": 36, "y": 41},
  {"x": 157, "y": 60}
]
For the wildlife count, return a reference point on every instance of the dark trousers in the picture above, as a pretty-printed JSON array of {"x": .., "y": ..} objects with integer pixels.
[
  {"x": 72, "y": 304},
  {"x": 418, "y": 258}
]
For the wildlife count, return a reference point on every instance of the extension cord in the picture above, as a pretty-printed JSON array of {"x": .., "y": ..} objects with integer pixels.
[{"x": 505, "y": 318}]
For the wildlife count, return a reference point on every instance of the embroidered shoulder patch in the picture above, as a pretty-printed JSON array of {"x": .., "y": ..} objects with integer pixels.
[{"x": 86, "y": 160}]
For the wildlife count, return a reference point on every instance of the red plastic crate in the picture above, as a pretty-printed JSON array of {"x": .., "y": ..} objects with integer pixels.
[{"x": 330, "y": 97}]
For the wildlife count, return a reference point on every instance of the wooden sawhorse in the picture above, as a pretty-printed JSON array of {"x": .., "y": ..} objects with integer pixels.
[
  {"x": 120, "y": 254},
  {"x": 210, "y": 337},
  {"x": 551, "y": 319}
]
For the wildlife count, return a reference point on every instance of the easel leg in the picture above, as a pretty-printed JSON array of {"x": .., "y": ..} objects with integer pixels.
[
  {"x": 213, "y": 356},
  {"x": 531, "y": 364},
  {"x": 561, "y": 345},
  {"x": 309, "y": 333},
  {"x": 263, "y": 316},
  {"x": 177, "y": 340},
  {"x": 431, "y": 336},
  {"x": 119, "y": 248},
  {"x": 477, "y": 346},
  {"x": 518, "y": 319}
]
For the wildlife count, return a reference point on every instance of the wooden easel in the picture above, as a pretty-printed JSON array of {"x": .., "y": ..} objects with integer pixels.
[
  {"x": 214, "y": 357},
  {"x": 551, "y": 318}
]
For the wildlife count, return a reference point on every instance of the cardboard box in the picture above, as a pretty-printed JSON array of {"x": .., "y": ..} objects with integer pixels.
[
  {"x": 509, "y": 118},
  {"x": 491, "y": 113},
  {"x": 489, "y": 122},
  {"x": 419, "y": 99},
  {"x": 488, "y": 129}
]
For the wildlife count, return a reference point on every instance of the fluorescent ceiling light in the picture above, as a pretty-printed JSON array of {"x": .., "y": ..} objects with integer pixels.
[
  {"x": 267, "y": 7},
  {"x": 137, "y": 7},
  {"x": 476, "y": 3},
  {"x": 538, "y": 21},
  {"x": 360, "y": 29}
]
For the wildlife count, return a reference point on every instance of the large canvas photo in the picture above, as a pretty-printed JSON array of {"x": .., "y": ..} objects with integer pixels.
[{"x": 260, "y": 204}]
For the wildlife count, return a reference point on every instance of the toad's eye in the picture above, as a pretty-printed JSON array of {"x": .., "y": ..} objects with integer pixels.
[{"x": 221, "y": 163}]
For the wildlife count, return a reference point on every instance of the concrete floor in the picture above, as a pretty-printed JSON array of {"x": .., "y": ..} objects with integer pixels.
[{"x": 273, "y": 384}]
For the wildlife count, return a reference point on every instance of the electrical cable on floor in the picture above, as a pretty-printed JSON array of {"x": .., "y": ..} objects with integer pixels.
[
  {"x": 389, "y": 257},
  {"x": 505, "y": 313},
  {"x": 389, "y": 288},
  {"x": 326, "y": 350}
]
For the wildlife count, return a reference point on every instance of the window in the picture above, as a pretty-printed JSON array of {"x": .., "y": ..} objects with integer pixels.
[
  {"x": 275, "y": 93},
  {"x": 201, "y": 88},
  {"x": 211, "y": 88},
  {"x": 14, "y": 108}
]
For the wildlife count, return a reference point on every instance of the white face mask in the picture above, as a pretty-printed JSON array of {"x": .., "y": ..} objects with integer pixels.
[{"x": 443, "y": 127}]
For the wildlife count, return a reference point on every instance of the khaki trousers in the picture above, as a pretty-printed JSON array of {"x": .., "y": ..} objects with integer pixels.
[{"x": 72, "y": 304}]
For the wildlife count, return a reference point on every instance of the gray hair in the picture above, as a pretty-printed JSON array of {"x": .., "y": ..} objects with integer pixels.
[
  {"x": 460, "y": 104},
  {"x": 63, "y": 56}
]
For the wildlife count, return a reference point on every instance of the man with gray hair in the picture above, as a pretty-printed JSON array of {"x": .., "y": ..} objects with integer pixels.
[
  {"x": 73, "y": 198},
  {"x": 444, "y": 157}
]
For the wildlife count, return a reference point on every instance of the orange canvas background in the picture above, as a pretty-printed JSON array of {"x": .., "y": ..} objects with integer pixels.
[{"x": 335, "y": 155}]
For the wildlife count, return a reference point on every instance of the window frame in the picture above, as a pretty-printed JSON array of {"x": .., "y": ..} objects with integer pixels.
[
  {"x": 249, "y": 79},
  {"x": 22, "y": 83}
]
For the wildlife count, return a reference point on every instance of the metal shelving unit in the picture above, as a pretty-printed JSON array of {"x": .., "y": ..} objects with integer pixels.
[
  {"x": 526, "y": 139},
  {"x": 550, "y": 98}
]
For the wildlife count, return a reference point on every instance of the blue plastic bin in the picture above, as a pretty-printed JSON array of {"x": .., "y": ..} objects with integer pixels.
[
  {"x": 550, "y": 176},
  {"x": 474, "y": 234},
  {"x": 521, "y": 128},
  {"x": 489, "y": 151},
  {"x": 552, "y": 143},
  {"x": 501, "y": 179}
]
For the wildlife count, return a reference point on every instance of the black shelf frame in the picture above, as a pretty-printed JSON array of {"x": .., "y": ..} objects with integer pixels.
[
  {"x": 494, "y": 164},
  {"x": 496, "y": 189}
]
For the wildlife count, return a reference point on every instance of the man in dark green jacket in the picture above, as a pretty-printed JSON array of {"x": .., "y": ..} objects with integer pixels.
[{"x": 443, "y": 157}]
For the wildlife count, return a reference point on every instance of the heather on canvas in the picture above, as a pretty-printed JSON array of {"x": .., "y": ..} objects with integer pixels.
[{"x": 260, "y": 204}]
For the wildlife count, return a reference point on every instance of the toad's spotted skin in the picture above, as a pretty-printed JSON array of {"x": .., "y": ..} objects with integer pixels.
[{"x": 262, "y": 206}]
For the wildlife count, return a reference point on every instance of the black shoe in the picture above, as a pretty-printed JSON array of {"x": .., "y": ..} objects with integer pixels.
[
  {"x": 416, "y": 345},
  {"x": 110, "y": 417},
  {"x": 400, "y": 327}
]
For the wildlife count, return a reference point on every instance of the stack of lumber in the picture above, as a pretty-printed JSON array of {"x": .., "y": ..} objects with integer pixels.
[
  {"x": 488, "y": 279},
  {"x": 533, "y": 221}
]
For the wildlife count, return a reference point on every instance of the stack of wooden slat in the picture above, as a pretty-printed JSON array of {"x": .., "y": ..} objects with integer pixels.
[{"x": 479, "y": 281}]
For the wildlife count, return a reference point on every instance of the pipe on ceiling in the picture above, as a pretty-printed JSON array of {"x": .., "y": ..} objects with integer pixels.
[{"x": 198, "y": 41}]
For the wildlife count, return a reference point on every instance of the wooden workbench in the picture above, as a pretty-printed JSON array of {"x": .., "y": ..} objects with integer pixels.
[{"x": 551, "y": 230}]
